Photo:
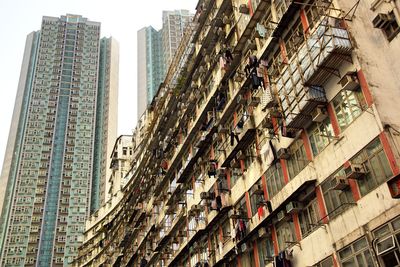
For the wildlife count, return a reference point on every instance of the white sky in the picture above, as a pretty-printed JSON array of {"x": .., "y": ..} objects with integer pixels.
[{"x": 119, "y": 18}]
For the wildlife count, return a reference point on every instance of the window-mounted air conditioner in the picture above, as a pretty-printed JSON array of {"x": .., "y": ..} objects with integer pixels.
[
  {"x": 281, "y": 215},
  {"x": 235, "y": 164},
  {"x": 254, "y": 101},
  {"x": 385, "y": 245},
  {"x": 349, "y": 82},
  {"x": 240, "y": 155},
  {"x": 283, "y": 153},
  {"x": 241, "y": 100},
  {"x": 222, "y": 129},
  {"x": 319, "y": 114},
  {"x": 244, "y": 9},
  {"x": 207, "y": 195},
  {"x": 381, "y": 20},
  {"x": 340, "y": 183},
  {"x": 355, "y": 171},
  {"x": 294, "y": 207}
]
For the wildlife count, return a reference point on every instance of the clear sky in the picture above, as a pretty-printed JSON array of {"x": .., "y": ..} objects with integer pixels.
[{"x": 119, "y": 18}]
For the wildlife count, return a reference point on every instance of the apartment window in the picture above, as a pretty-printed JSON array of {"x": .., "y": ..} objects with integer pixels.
[
  {"x": 256, "y": 196},
  {"x": 328, "y": 262},
  {"x": 374, "y": 159},
  {"x": 265, "y": 249},
  {"x": 336, "y": 201},
  {"x": 356, "y": 254},
  {"x": 298, "y": 158},
  {"x": 236, "y": 173},
  {"x": 321, "y": 134},
  {"x": 387, "y": 245},
  {"x": 285, "y": 234},
  {"x": 124, "y": 151},
  {"x": 309, "y": 217},
  {"x": 274, "y": 178},
  {"x": 348, "y": 105},
  {"x": 391, "y": 29},
  {"x": 241, "y": 207}
]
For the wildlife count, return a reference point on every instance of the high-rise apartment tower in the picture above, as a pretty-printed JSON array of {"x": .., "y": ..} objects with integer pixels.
[
  {"x": 57, "y": 152},
  {"x": 155, "y": 52}
]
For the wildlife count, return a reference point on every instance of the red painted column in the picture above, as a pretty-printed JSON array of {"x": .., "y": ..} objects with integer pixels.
[
  {"x": 389, "y": 153},
  {"x": 275, "y": 240},
  {"x": 307, "y": 145},
  {"x": 365, "y": 88},
  {"x": 321, "y": 204},
  {"x": 304, "y": 21},
  {"x": 283, "y": 51},
  {"x": 255, "y": 250},
  {"x": 284, "y": 171},
  {"x": 249, "y": 215},
  {"x": 228, "y": 178},
  {"x": 332, "y": 117},
  {"x": 250, "y": 7},
  {"x": 353, "y": 185},
  {"x": 264, "y": 185},
  {"x": 297, "y": 228}
]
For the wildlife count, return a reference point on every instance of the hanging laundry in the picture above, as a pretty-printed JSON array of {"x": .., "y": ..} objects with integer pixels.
[{"x": 260, "y": 212}]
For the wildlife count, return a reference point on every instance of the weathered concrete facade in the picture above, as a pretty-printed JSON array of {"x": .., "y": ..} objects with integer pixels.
[{"x": 274, "y": 139}]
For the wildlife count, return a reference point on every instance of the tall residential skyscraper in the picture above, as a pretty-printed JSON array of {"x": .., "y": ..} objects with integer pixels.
[
  {"x": 151, "y": 68},
  {"x": 155, "y": 52},
  {"x": 174, "y": 23},
  {"x": 64, "y": 117}
]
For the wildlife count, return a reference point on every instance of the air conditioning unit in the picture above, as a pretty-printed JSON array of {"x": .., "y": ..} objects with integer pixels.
[
  {"x": 267, "y": 123},
  {"x": 381, "y": 20},
  {"x": 226, "y": 20},
  {"x": 207, "y": 195},
  {"x": 262, "y": 232},
  {"x": 385, "y": 245},
  {"x": 240, "y": 100},
  {"x": 251, "y": 44},
  {"x": 341, "y": 183},
  {"x": 281, "y": 215},
  {"x": 195, "y": 208},
  {"x": 235, "y": 164},
  {"x": 240, "y": 155},
  {"x": 238, "y": 78},
  {"x": 244, "y": 9},
  {"x": 283, "y": 153},
  {"x": 293, "y": 207},
  {"x": 319, "y": 114},
  {"x": 355, "y": 171},
  {"x": 349, "y": 82},
  {"x": 254, "y": 101},
  {"x": 222, "y": 129}
]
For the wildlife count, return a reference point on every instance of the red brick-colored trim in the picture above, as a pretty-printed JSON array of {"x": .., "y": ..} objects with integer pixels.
[
  {"x": 353, "y": 185},
  {"x": 283, "y": 51},
  {"x": 307, "y": 145},
  {"x": 365, "y": 88},
  {"x": 297, "y": 228},
  {"x": 234, "y": 118},
  {"x": 332, "y": 117},
  {"x": 321, "y": 204},
  {"x": 335, "y": 262},
  {"x": 389, "y": 153},
  {"x": 274, "y": 239},
  {"x": 228, "y": 178},
  {"x": 304, "y": 21},
  {"x": 275, "y": 125},
  {"x": 250, "y": 7},
  {"x": 212, "y": 154},
  {"x": 221, "y": 234},
  {"x": 239, "y": 261},
  {"x": 264, "y": 185},
  {"x": 248, "y": 205},
  {"x": 255, "y": 251},
  {"x": 284, "y": 171}
]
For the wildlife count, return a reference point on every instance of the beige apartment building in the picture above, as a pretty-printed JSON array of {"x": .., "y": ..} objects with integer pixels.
[{"x": 274, "y": 141}]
